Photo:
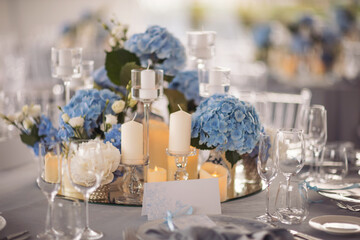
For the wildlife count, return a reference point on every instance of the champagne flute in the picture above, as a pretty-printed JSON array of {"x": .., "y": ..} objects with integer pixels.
[
  {"x": 48, "y": 180},
  {"x": 290, "y": 157},
  {"x": 267, "y": 169},
  {"x": 85, "y": 171},
  {"x": 315, "y": 130}
]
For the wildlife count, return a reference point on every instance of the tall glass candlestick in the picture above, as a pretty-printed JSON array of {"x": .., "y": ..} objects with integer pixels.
[
  {"x": 181, "y": 162},
  {"x": 146, "y": 87},
  {"x": 66, "y": 64}
]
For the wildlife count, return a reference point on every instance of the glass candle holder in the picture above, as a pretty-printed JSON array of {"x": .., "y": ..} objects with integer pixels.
[
  {"x": 181, "y": 162},
  {"x": 214, "y": 80},
  {"x": 201, "y": 44},
  {"x": 66, "y": 64},
  {"x": 87, "y": 68}
]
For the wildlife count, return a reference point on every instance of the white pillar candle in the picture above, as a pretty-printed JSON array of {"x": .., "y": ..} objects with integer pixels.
[
  {"x": 156, "y": 175},
  {"x": 132, "y": 143},
  {"x": 148, "y": 89},
  {"x": 210, "y": 170},
  {"x": 180, "y": 132}
]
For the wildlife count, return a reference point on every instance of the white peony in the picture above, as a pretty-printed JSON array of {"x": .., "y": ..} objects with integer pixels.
[
  {"x": 65, "y": 117},
  {"x": 110, "y": 119},
  {"x": 118, "y": 106},
  {"x": 34, "y": 110},
  {"x": 86, "y": 159},
  {"x": 27, "y": 123},
  {"x": 76, "y": 122}
]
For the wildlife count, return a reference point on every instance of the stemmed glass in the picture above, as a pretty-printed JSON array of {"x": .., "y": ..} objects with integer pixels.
[
  {"x": 315, "y": 132},
  {"x": 267, "y": 169},
  {"x": 48, "y": 180},
  {"x": 290, "y": 157},
  {"x": 85, "y": 171}
]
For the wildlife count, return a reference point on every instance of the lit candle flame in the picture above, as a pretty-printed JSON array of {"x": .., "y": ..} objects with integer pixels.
[{"x": 155, "y": 169}]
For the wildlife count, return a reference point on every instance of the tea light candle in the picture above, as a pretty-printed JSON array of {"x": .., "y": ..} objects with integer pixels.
[
  {"x": 52, "y": 166},
  {"x": 156, "y": 175},
  {"x": 147, "y": 90},
  {"x": 179, "y": 132},
  {"x": 132, "y": 143},
  {"x": 210, "y": 170}
]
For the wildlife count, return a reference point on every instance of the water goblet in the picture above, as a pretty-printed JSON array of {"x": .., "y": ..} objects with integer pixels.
[
  {"x": 48, "y": 180},
  {"x": 85, "y": 171},
  {"x": 290, "y": 157},
  {"x": 267, "y": 169},
  {"x": 334, "y": 165},
  {"x": 315, "y": 133}
]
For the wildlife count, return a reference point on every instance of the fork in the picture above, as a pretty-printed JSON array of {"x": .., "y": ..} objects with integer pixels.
[{"x": 353, "y": 208}]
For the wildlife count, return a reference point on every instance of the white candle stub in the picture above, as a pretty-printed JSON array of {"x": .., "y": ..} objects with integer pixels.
[
  {"x": 132, "y": 143},
  {"x": 180, "y": 132},
  {"x": 210, "y": 170},
  {"x": 157, "y": 174},
  {"x": 147, "y": 88}
]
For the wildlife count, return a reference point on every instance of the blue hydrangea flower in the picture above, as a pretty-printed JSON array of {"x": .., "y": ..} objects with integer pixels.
[
  {"x": 90, "y": 104},
  {"x": 114, "y": 136},
  {"x": 160, "y": 46},
  {"x": 47, "y": 133},
  {"x": 187, "y": 82},
  {"x": 225, "y": 123},
  {"x": 261, "y": 34},
  {"x": 101, "y": 79}
]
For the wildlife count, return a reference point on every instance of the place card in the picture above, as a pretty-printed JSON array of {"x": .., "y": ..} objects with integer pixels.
[{"x": 175, "y": 196}]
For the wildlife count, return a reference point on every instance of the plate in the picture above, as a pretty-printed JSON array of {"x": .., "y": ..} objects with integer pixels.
[
  {"x": 240, "y": 225},
  {"x": 340, "y": 196},
  {"x": 2, "y": 223},
  {"x": 336, "y": 224}
]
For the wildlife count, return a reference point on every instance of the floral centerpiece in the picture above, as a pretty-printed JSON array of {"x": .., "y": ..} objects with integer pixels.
[
  {"x": 226, "y": 124},
  {"x": 34, "y": 127}
]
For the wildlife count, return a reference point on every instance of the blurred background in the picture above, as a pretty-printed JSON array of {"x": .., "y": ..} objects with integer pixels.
[{"x": 277, "y": 45}]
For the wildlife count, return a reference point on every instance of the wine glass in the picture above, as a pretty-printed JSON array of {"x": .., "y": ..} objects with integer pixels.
[
  {"x": 267, "y": 169},
  {"x": 48, "y": 180},
  {"x": 290, "y": 157},
  {"x": 315, "y": 130},
  {"x": 85, "y": 171}
]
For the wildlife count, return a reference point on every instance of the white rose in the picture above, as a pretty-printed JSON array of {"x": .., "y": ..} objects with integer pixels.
[
  {"x": 86, "y": 159},
  {"x": 35, "y": 110},
  {"x": 112, "y": 42},
  {"x": 27, "y": 123},
  {"x": 118, "y": 106},
  {"x": 76, "y": 122},
  {"x": 110, "y": 119},
  {"x": 65, "y": 117},
  {"x": 19, "y": 116},
  {"x": 25, "y": 109}
]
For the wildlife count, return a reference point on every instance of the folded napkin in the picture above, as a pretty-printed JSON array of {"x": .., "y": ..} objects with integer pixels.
[{"x": 199, "y": 233}]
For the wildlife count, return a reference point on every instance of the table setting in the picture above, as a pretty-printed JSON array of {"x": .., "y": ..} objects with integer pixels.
[{"x": 113, "y": 166}]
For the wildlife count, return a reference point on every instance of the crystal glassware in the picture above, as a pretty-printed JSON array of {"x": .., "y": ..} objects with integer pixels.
[
  {"x": 146, "y": 87},
  {"x": 290, "y": 157},
  {"x": 334, "y": 164},
  {"x": 49, "y": 180},
  {"x": 267, "y": 169},
  {"x": 214, "y": 80},
  {"x": 66, "y": 64},
  {"x": 315, "y": 132},
  {"x": 85, "y": 171},
  {"x": 181, "y": 162}
]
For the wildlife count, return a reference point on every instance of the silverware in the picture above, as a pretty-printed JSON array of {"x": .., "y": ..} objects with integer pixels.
[
  {"x": 19, "y": 236},
  {"x": 303, "y": 236},
  {"x": 353, "y": 208}
]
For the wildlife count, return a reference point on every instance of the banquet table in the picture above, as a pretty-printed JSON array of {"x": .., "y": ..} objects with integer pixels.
[{"x": 24, "y": 206}]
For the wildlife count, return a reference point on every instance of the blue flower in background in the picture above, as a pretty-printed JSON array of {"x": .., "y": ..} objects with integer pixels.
[
  {"x": 90, "y": 104},
  {"x": 102, "y": 80},
  {"x": 261, "y": 34},
  {"x": 187, "y": 82},
  {"x": 114, "y": 136},
  {"x": 235, "y": 129},
  {"x": 344, "y": 19},
  {"x": 161, "y": 47}
]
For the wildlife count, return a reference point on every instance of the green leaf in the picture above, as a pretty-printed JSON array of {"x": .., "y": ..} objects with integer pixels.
[
  {"x": 115, "y": 61},
  {"x": 168, "y": 78},
  {"x": 32, "y": 138},
  {"x": 175, "y": 97},
  {"x": 233, "y": 157},
  {"x": 195, "y": 142},
  {"x": 125, "y": 73}
]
